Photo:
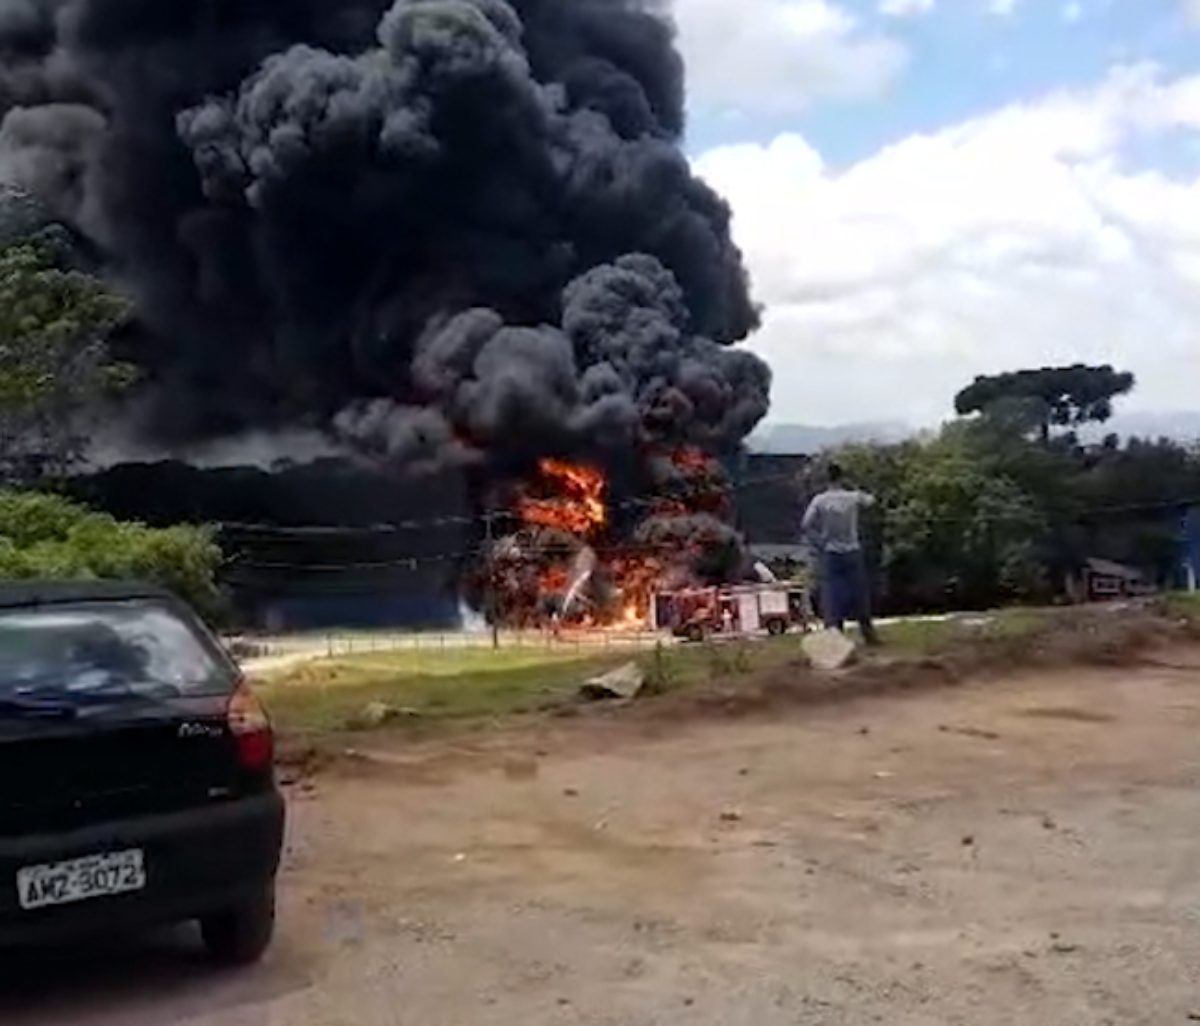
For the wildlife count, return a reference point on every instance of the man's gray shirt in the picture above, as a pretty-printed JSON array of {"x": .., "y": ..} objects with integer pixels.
[{"x": 831, "y": 522}]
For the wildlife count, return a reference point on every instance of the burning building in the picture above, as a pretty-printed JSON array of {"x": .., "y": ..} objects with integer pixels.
[
  {"x": 579, "y": 548},
  {"x": 451, "y": 236}
]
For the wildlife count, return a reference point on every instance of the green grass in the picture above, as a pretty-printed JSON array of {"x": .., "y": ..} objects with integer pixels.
[
  {"x": 684, "y": 666},
  {"x": 1182, "y": 603},
  {"x": 464, "y": 684},
  {"x": 923, "y": 638},
  {"x": 473, "y": 684}
]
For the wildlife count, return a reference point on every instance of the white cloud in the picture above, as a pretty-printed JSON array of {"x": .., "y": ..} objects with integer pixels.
[
  {"x": 1014, "y": 239},
  {"x": 1073, "y": 12},
  {"x": 1191, "y": 11},
  {"x": 906, "y": 8},
  {"x": 781, "y": 55},
  {"x": 1002, "y": 8}
]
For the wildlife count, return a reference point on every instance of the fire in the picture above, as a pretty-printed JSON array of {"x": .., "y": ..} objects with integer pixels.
[
  {"x": 553, "y": 580},
  {"x": 693, "y": 460},
  {"x": 572, "y": 499},
  {"x": 577, "y": 561},
  {"x": 637, "y": 576},
  {"x": 705, "y": 489}
]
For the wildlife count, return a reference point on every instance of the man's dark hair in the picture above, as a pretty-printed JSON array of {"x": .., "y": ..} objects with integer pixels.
[{"x": 835, "y": 473}]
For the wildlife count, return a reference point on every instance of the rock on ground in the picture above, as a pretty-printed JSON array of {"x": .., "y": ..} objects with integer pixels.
[
  {"x": 829, "y": 650},
  {"x": 624, "y": 683}
]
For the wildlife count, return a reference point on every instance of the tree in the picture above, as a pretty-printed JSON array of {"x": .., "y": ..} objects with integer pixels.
[
  {"x": 952, "y": 529},
  {"x": 55, "y": 363},
  {"x": 46, "y": 537},
  {"x": 957, "y": 536},
  {"x": 1049, "y": 397},
  {"x": 993, "y": 510}
]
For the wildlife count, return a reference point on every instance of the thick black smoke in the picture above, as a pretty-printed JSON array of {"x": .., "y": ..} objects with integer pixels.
[{"x": 439, "y": 227}]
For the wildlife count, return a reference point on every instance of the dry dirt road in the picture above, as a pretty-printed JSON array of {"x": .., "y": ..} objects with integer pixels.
[{"x": 1017, "y": 852}]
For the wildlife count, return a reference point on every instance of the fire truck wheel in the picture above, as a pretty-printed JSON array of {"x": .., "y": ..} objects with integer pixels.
[
  {"x": 777, "y": 628},
  {"x": 695, "y": 633}
]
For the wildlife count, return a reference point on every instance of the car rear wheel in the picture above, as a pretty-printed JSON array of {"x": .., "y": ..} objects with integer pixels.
[{"x": 240, "y": 935}]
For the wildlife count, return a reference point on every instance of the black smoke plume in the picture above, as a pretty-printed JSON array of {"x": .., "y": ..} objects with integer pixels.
[{"x": 441, "y": 229}]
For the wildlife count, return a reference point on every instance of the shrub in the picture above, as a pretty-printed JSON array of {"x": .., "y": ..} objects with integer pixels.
[{"x": 47, "y": 537}]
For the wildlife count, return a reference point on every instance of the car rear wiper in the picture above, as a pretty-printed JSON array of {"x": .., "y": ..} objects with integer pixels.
[{"x": 24, "y": 709}]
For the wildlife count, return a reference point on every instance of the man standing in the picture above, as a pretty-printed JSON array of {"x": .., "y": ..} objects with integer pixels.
[{"x": 831, "y": 525}]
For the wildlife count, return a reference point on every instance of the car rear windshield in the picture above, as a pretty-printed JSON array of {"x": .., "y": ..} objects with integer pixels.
[{"x": 135, "y": 648}]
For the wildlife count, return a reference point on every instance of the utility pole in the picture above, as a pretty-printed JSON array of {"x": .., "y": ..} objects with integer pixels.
[
  {"x": 1191, "y": 548},
  {"x": 490, "y": 603}
]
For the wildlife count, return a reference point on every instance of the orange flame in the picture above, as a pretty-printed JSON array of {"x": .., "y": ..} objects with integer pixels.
[
  {"x": 575, "y": 499},
  {"x": 553, "y": 580},
  {"x": 694, "y": 460}
]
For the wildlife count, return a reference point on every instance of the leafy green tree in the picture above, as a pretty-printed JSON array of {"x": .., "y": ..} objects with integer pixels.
[
  {"x": 987, "y": 512},
  {"x": 55, "y": 363},
  {"x": 1049, "y": 397},
  {"x": 958, "y": 536},
  {"x": 47, "y": 537},
  {"x": 995, "y": 509},
  {"x": 952, "y": 528}
]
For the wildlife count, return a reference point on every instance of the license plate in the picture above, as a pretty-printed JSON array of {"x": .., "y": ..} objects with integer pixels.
[{"x": 96, "y": 876}]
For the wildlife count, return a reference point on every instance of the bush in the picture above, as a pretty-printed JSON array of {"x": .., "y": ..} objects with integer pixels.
[{"x": 48, "y": 537}]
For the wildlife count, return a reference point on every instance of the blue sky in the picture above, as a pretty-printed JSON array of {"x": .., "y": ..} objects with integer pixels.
[
  {"x": 964, "y": 62},
  {"x": 931, "y": 189},
  {"x": 965, "y": 59}
]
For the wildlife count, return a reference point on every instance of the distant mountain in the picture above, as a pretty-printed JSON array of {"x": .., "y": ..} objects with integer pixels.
[{"x": 807, "y": 440}]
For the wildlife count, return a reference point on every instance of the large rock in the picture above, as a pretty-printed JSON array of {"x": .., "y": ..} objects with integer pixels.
[
  {"x": 829, "y": 650},
  {"x": 378, "y": 714},
  {"x": 622, "y": 684}
]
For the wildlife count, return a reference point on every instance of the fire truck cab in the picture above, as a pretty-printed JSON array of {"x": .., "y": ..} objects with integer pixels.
[{"x": 698, "y": 613}]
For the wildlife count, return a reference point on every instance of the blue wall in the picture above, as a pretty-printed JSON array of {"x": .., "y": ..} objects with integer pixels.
[{"x": 1190, "y": 544}]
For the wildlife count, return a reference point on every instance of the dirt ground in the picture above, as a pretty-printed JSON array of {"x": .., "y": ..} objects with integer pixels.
[{"x": 1016, "y": 852}]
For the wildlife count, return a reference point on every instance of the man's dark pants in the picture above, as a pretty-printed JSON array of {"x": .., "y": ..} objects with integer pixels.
[{"x": 845, "y": 593}]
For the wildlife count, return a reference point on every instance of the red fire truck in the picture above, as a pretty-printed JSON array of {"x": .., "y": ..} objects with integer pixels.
[{"x": 699, "y": 613}]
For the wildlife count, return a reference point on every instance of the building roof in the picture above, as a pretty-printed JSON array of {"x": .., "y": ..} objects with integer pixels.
[{"x": 1107, "y": 568}]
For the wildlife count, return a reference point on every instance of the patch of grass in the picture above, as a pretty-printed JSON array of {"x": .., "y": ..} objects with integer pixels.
[
  {"x": 918, "y": 637},
  {"x": 1184, "y": 604},
  {"x": 452, "y": 685},
  {"x": 715, "y": 662},
  {"x": 461, "y": 685},
  {"x": 473, "y": 684},
  {"x": 932, "y": 637}
]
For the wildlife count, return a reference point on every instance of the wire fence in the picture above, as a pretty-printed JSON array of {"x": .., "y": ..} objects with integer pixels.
[{"x": 282, "y": 650}]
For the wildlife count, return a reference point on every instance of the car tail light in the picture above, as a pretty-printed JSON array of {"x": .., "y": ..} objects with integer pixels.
[{"x": 251, "y": 729}]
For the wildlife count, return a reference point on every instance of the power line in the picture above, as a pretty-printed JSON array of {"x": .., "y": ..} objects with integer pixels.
[
  {"x": 308, "y": 533},
  {"x": 552, "y": 549},
  {"x": 708, "y": 489},
  {"x": 562, "y": 549},
  {"x": 481, "y": 519}
]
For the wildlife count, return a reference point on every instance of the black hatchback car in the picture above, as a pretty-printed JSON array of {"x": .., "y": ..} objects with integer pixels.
[{"x": 137, "y": 785}]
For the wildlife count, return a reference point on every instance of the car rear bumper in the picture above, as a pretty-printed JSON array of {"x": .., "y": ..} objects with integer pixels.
[{"x": 197, "y": 861}]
